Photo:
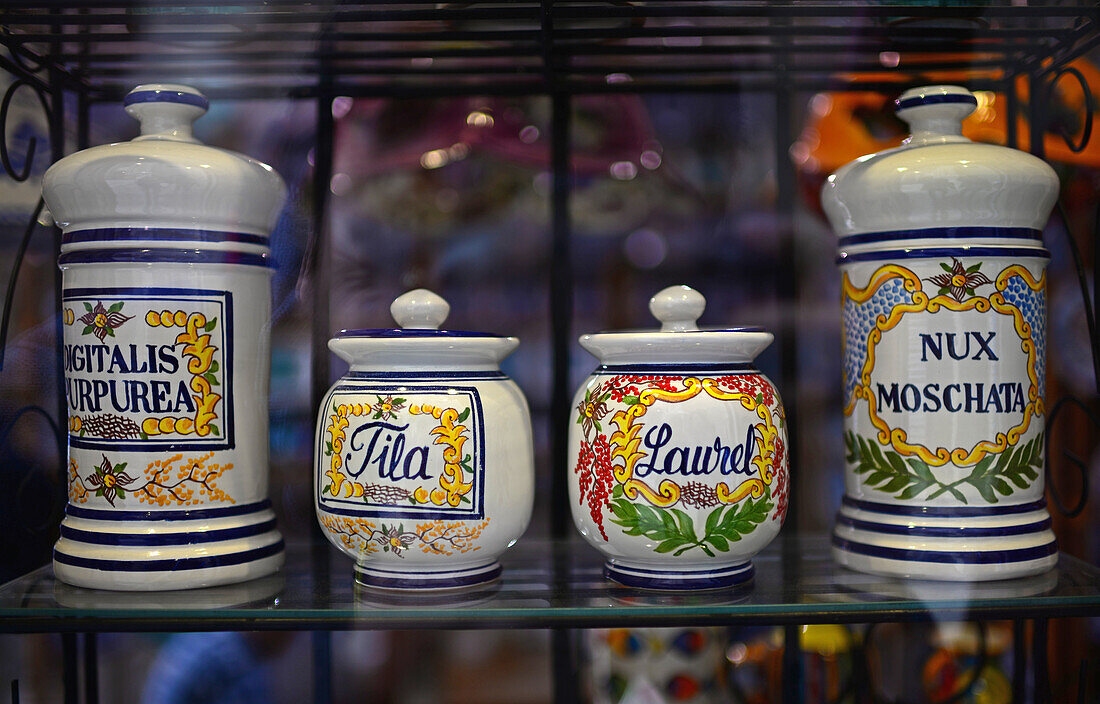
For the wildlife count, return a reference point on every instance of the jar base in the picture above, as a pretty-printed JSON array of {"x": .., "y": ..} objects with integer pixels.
[
  {"x": 146, "y": 551},
  {"x": 426, "y": 580},
  {"x": 956, "y": 544},
  {"x": 667, "y": 579}
]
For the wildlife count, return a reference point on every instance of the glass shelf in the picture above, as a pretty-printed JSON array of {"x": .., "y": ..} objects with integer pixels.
[{"x": 546, "y": 585}]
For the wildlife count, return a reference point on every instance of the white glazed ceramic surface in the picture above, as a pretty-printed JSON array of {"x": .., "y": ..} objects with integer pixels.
[
  {"x": 424, "y": 467},
  {"x": 166, "y": 312},
  {"x": 677, "y": 456},
  {"x": 944, "y": 298}
]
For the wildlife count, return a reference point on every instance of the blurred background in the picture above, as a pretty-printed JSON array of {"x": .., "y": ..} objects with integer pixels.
[{"x": 454, "y": 194}]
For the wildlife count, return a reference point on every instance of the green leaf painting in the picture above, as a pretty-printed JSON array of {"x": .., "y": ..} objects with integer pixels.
[
  {"x": 886, "y": 471},
  {"x": 675, "y": 531}
]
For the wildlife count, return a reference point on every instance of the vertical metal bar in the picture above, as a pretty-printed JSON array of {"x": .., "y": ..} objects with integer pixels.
[
  {"x": 321, "y": 642},
  {"x": 561, "y": 311},
  {"x": 320, "y": 280},
  {"x": 564, "y": 665},
  {"x": 69, "y": 667},
  {"x": 91, "y": 669},
  {"x": 1012, "y": 112},
  {"x": 1019, "y": 660},
  {"x": 57, "y": 150},
  {"x": 792, "y": 664},
  {"x": 1037, "y": 114},
  {"x": 1040, "y": 669}
]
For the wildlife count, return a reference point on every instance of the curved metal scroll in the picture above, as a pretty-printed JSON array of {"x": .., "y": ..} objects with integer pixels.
[
  {"x": 24, "y": 485},
  {"x": 1086, "y": 133},
  {"x": 1077, "y": 462},
  {"x": 5, "y": 153}
]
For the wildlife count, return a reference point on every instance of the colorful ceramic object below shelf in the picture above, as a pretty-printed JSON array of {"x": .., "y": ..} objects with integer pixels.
[
  {"x": 424, "y": 463},
  {"x": 944, "y": 298},
  {"x": 166, "y": 311},
  {"x": 677, "y": 452}
]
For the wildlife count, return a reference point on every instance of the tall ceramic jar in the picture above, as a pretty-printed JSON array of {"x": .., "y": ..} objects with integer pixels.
[
  {"x": 166, "y": 311},
  {"x": 677, "y": 453},
  {"x": 944, "y": 297},
  {"x": 424, "y": 460}
]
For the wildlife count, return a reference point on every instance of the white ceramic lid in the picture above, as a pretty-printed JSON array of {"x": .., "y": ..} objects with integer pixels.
[
  {"x": 679, "y": 340},
  {"x": 939, "y": 178},
  {"x": 418, "y": 343},
  {"x": 164, "y": 178}
]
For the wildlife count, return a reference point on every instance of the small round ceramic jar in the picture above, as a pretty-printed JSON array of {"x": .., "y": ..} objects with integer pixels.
[
  {"x": 424, "y": 463},
  {"x": 166, "y": 309},
  {"x": 944, "y": 316},
  {"x": 677, "y": 456}
]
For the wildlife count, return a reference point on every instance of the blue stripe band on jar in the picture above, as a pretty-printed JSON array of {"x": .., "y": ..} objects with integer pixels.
[
  {"x": 429, "y": 375},
  {"x": 949, "y": 557},
  {"x": 171, "y": 565},
  {"x": 97, "y": 514},
  {"x": 734, "y": 367},
  {"x": 163, "y": 256},
  {"x": 938, "y": 98},
  {"x": 933, "y": 252},
  {"x": 160, "y": 234},
  {"x": 943, "y": 511},
  {"x": 945, "y": 233},
  {"x": 165, "y": 96},
  {"x": 422, "y": 581},
  {"x": 161, "y": 539},
  {"x": 944, "y": 531}
]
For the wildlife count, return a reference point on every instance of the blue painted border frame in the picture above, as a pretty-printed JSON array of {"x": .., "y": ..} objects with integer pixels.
[
  {"x": 451, "y": 514},
  {"x": 152, "y": 294}
]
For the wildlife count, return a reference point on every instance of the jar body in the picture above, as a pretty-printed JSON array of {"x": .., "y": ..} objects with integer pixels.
[
  {"x": 166, "y": 372},
  {"x": 424, "y": 478},
  {"x": 678, "y": 474},
  {"x": 944, "y": 359}
]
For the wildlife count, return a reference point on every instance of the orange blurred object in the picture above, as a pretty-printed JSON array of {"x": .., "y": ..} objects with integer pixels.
[{"x": 843, "y": 126}]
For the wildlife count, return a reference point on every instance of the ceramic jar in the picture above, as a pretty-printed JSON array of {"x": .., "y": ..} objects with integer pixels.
[
  {"x": 166, "y": 311},
  {"x": 424, "y": 463},
  {"x": 944, "y": 319},
  {"x": 677, "y": 456}
]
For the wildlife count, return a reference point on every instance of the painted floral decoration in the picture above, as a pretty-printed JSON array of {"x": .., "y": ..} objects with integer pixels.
[
  {"x": 592, "y": 409},
  {"x": 387, "y": 408},
  {"x": 109, "y": 480},
  {"x": 101, "y": 321},
  {"x": 395, "y": 539},
  {"x": 958, "y": 281}
]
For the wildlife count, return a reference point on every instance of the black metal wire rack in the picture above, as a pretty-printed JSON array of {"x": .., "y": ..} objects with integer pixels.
[{"x": 79, "y": 53}]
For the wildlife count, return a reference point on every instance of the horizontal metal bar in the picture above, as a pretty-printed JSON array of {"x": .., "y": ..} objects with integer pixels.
[
  {"x": 293, "y": 15},
  {"x": 514, "y": 618},
  {"x": 93, "y": 58},
  {"x": 763, "y": 82},
  {"x": 794, "y": 9},
  {"x": 283, "y": 36}
]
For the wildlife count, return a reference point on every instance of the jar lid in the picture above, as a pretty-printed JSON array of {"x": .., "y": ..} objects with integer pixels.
[
  {"x": 679, "y": 340},
  {"x": 418, "y": 342},
  {"x": 164, "y": 179},
  {"x": 940, "y": 180}
]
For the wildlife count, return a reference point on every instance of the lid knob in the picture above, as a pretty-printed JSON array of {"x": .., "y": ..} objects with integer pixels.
[
  {"x": 936, "y": 112},
  {"x": 677, "y": 307},
  {"x": 165, "y": 110},
  {"x": 420, "y": 309}
]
